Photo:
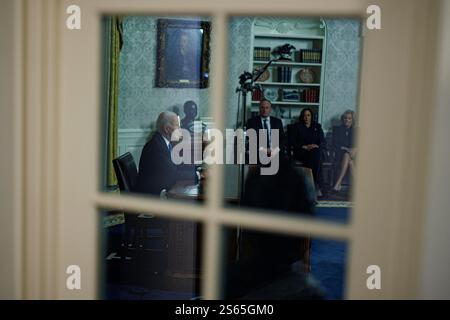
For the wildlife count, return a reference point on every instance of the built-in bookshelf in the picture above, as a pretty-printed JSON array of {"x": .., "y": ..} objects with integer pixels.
[{"x": 296, "y": 81}]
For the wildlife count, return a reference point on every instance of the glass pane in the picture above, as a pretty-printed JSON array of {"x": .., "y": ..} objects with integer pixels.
[
  {"x": 260, "y": 266},
  {"x": 155, "y": 108},
  {"x": 293, "y": 97},
  {"x": 145, "y": 257}
]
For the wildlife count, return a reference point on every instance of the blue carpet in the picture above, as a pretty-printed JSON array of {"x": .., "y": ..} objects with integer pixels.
[{"x": 328, "y": 257}]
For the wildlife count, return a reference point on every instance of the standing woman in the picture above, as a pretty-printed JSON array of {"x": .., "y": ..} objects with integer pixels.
[
  {"x": 307, "y": 139},
  {"x": 343, "y": 145}
]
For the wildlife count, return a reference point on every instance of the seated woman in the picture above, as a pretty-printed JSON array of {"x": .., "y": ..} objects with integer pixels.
[
  {"x": 307, "y": 140},
  {"x": 343, "y": 146}
]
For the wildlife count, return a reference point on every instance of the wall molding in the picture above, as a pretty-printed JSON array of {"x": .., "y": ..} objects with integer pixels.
[{"x": 132, "y": 140}]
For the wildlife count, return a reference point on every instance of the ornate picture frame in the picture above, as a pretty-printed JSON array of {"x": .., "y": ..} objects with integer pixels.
[{"x": 183, "y": 53}]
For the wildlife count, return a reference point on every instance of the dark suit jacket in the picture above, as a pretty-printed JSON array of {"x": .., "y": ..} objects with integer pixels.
[
  {"x": 156, "y": 169},
  {"x": 275, "y": 123},
  {"x": 300, "y": 135}
]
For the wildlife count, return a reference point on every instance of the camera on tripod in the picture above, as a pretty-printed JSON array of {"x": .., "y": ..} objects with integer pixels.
[{"x": 245, "y": 81}]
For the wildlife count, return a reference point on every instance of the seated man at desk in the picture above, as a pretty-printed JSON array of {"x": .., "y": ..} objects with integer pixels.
[{"x": 156, "y": 169}]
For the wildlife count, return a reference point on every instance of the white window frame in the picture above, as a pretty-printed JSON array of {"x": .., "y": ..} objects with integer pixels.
[{"x": 61, "y": 144}]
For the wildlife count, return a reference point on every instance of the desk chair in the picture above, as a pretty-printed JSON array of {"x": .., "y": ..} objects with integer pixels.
[
  {"x": 126, "y": 172},
  {"x": 135, "y": 225},
  {"x": 310, "y": 184}
]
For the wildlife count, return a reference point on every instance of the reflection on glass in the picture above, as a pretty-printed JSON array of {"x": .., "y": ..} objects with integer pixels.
[
  {"x": 150, "y": 258},
  {"x": 344, "y": 148},
  {"x": 296, "y": 99},
  {"x": 260, "y": 266},
  {"x": 156, "y": 95}
]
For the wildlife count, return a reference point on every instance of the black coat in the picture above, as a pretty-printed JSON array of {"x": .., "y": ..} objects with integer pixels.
[{"x": 156, "y": 169}]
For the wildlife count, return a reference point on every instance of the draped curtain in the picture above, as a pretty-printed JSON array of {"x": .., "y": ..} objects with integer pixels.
[{"x": 114, "y": 45}]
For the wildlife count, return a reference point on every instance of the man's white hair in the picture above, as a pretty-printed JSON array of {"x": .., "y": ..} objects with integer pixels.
[{"x": 165, "y": 118}]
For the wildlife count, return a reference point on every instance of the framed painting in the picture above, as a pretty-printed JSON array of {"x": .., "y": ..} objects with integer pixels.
[{"x": 183, "y": 53}]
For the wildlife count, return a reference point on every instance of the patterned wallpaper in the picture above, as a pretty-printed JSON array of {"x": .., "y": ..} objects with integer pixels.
[
  {"x": 140, "y": 102},
  {"x": 239, "y": 37},
  {"x": 342, "y": 69}
]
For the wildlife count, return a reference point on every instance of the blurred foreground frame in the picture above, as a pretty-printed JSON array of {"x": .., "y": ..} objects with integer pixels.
[{"x": 177, "y": 68}]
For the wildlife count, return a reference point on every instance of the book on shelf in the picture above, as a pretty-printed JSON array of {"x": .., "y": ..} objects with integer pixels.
[
  {"x": 261, "y": 53},
  {"x": 310, "y": 56},
  {"x": 310, "y": 95},
  {"x": 257, "y": 95},
  {"x": 284, "y": 74}
]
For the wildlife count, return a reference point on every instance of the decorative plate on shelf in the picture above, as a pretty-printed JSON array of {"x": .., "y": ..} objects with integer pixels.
[
  {"x": 306, "y": 75},
  {"x": 270, "y": 94}
]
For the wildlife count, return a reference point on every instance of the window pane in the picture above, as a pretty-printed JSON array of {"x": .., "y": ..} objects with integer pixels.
[
  {"x": 156, "y": 81},
  {"x": 262, "y": 266},
  {"x": 150, "y": 258},
  {"x": 293, "y": 88}
]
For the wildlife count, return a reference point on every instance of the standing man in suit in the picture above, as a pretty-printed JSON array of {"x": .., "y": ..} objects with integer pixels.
[
  {"x": 265, "y": 121},
  {"x": 156, "y": 169}
]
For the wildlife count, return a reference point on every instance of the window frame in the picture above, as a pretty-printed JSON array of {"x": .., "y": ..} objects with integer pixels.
[{"x": 62, "y": 195}]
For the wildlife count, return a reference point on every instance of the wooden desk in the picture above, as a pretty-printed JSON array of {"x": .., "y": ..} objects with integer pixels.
[
  {"x": 184, "y": 240},
  {"x": 185, "y": 237}
]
